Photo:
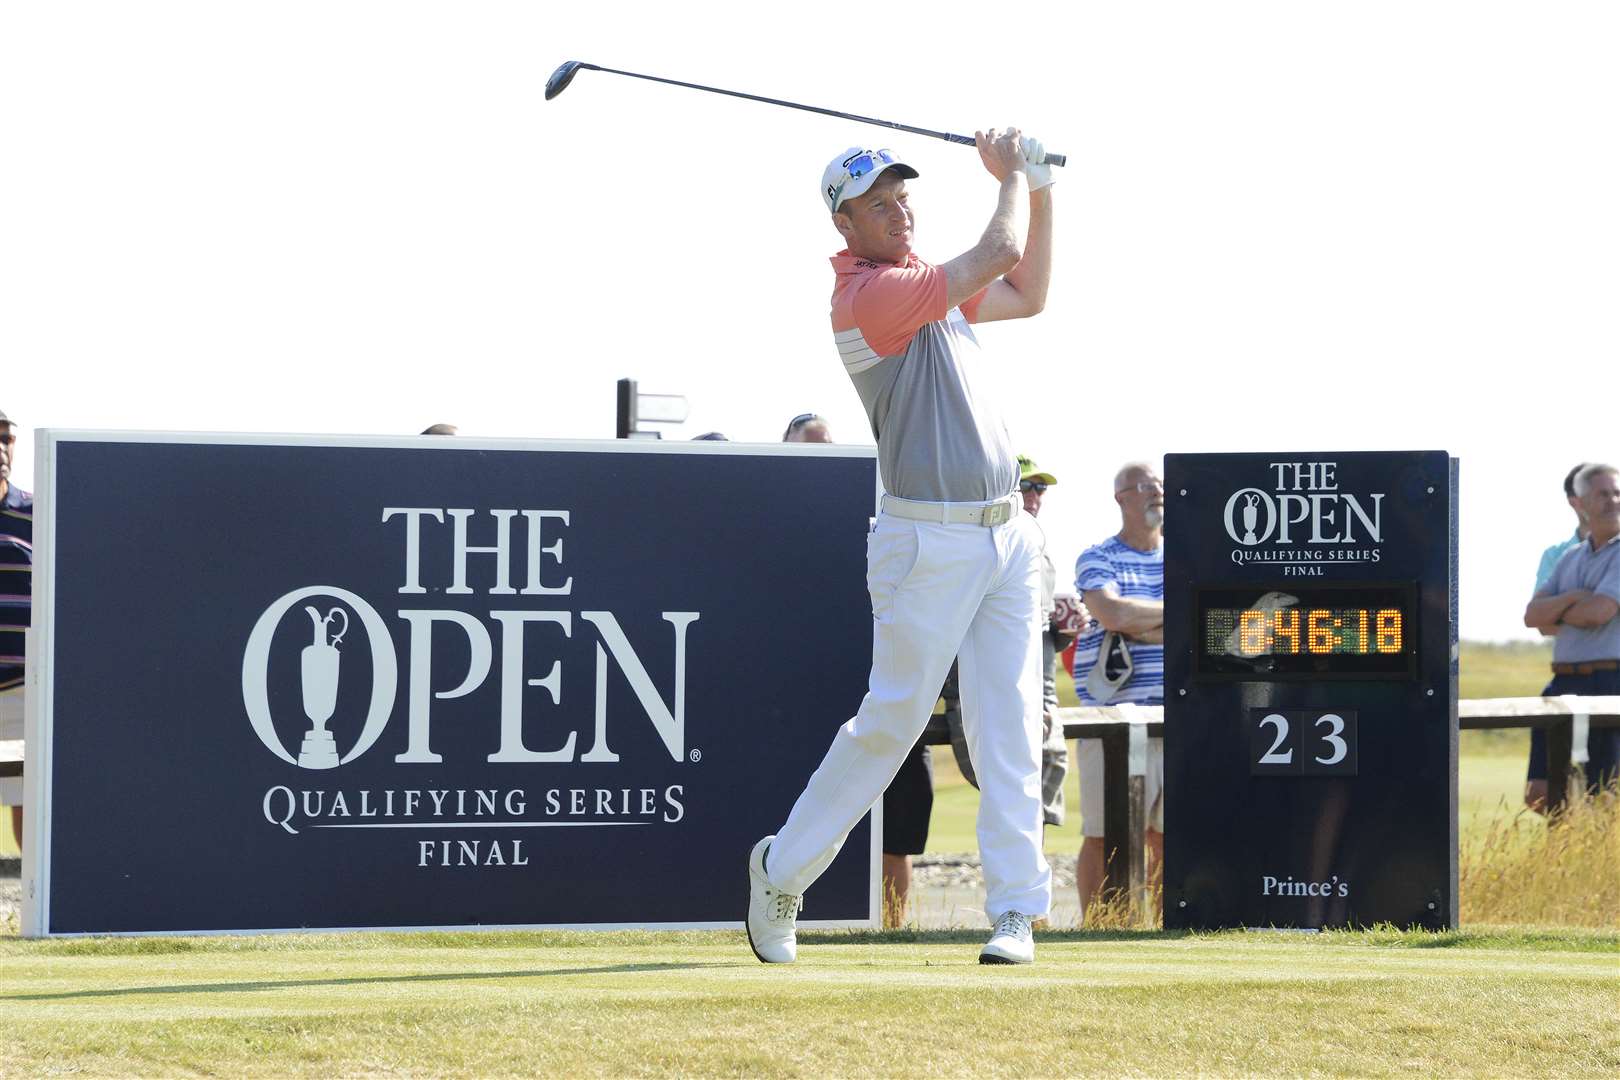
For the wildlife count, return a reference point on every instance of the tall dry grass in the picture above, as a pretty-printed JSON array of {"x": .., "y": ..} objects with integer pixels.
[
  {"x": 1518, "y": 869},
  {"x": 1565, "y": 872},
  {"x": 1113, "y": 911}
]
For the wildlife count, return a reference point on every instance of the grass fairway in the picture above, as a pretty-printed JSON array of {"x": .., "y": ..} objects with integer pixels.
[{"x": 1471, "y": 1003}]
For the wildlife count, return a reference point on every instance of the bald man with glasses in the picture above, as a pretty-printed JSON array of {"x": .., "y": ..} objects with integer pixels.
[{"x": 1119, "y": 659}]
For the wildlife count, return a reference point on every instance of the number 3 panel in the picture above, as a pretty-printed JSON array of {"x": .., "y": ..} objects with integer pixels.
[{"x": 1330, "y": 742}]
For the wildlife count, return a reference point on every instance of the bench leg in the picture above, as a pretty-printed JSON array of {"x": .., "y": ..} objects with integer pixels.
[
  {"x": 1116, "y": 811},
  {"x": 1560, "y": 747}
]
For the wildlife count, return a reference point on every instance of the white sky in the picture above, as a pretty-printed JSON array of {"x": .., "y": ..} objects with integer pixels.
[{"x": 1284, "y": 226}]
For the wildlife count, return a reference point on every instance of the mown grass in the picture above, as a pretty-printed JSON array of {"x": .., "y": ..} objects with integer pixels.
[{"x": 1502, "y": 1002}]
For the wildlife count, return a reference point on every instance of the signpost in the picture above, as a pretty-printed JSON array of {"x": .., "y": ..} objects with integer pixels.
[
  {"x": 319, "y": 683},
  {"x": 632, "y": 408},
  {"x": 1310, "y": 690}
]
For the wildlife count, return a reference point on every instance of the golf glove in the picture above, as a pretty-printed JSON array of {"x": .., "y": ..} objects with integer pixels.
[{"x": 1035, "y": 167}]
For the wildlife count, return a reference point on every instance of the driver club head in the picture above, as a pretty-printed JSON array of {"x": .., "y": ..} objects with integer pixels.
[{"x": 562, "y": 77}]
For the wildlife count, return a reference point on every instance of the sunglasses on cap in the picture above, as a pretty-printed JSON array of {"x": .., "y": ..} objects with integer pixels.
[
  {"x": 1033, "y": 485},
  {"x": 865, "y": 161},
  {"x": 858, "y": 166}
]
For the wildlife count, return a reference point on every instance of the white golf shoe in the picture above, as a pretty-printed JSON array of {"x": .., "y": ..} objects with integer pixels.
[
  {"x": 772, "y": 913},
  {"x": 1011, "y": 943}
]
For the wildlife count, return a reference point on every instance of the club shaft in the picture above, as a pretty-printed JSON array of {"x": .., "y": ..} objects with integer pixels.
[{"x": 963, "y": 140}]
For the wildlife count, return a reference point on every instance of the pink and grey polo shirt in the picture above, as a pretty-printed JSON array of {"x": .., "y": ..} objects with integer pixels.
[{"x": 940, "y": 439}]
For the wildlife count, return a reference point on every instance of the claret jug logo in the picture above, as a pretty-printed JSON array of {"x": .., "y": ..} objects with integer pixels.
[
  {"x": 320, "y": 666},
  {"x": 1305, "y": 522}
]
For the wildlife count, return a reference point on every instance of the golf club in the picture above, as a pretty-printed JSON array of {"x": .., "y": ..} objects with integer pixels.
[{"x": 565, "y": 74}]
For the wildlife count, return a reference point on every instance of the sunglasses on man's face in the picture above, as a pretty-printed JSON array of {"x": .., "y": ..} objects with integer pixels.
[{"x": 1032, "y": 485}]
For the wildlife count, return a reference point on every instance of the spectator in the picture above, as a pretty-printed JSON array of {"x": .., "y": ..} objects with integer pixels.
[
  {"x": 16, "y": 590},
  {"x": 1550, "y": 557},
  {"x": 1120, "y": 659},
  {"x": 710, "y": 436},
  {"x": 1032, "y": 485},
  {"x": 441, "y": 429},
  {"x": 807, "y": 427},
  {"x": 1580, "y": 604}
]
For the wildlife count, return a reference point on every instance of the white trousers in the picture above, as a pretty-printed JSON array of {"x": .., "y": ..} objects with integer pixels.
[{"x": 941, "y": 592}]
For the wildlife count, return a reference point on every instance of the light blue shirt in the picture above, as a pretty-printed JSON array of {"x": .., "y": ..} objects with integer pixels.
[
  {"x": 1599, "y": 571},
  {"x": 1550, "y": 557}
]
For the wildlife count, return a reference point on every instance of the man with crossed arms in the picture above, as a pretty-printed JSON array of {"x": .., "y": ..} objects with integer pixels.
[
  {"x": 953, "y": 564},
  {"x": 1579, "y": 605}
]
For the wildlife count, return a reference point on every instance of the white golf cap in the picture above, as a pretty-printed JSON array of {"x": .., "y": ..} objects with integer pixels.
[{"x": 856, "y": 169}]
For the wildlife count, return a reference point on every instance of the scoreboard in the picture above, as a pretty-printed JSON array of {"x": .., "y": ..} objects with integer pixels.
[{"x": 1310, "y": 690}]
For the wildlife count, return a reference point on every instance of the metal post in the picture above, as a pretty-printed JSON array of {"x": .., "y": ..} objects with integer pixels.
[{"x": 627, "y": 409}]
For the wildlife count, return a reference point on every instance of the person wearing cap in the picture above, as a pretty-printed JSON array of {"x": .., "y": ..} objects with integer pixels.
[
  {"x": 953, "y": 562},
  {"x": 1119, "y": 659},
  {"x": 1055, "y": 637},
  {"x": 16, "y": 591}
]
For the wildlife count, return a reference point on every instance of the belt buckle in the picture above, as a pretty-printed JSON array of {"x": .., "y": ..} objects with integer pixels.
[{"x": 998, "y": 513}]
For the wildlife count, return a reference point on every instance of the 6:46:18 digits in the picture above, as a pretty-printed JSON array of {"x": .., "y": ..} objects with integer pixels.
[{"x": 1320, "y": 631}]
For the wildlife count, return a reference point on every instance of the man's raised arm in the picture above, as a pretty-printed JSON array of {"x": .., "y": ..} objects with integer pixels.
[{"x": 998, "y": 251}]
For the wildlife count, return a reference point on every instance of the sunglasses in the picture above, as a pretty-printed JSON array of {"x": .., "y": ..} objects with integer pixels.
[
  {"x": 1032, "y": 485},
  {"x": 865, "y": 161},
  {"x": 859, "y": 165}
]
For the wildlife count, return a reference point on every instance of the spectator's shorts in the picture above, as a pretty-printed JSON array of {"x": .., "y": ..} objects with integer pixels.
[
  {"x": 11, "y": 727},
  {"x": 908, "y": 804},
  {"x": 11, "y": 713},
  {"x": 1090, "y": 759}
]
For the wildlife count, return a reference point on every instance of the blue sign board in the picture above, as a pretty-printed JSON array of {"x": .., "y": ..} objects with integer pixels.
[
  {"x": 287, "y": 682},
  {"x": 1311, "y": 690}
]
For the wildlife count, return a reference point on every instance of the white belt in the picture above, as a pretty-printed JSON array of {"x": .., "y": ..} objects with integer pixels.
[{"x": 998, "y": 512}]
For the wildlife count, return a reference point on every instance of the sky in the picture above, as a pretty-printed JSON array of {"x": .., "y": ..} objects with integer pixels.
[{"x": 1283, "y": 227}]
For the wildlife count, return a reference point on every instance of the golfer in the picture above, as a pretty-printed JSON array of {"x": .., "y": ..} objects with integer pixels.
[{"x": 954, "y": 563}]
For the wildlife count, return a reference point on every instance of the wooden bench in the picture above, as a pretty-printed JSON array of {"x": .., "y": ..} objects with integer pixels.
[{"x": 1122, "y": 727}]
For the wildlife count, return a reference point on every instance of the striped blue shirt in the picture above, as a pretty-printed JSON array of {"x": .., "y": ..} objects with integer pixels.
[
  {"x": 16, "y": 580},
  {"x": 1135, "y": 575}
]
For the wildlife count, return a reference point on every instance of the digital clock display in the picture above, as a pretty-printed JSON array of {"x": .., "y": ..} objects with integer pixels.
[{"x": 1344, "y": 630}]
